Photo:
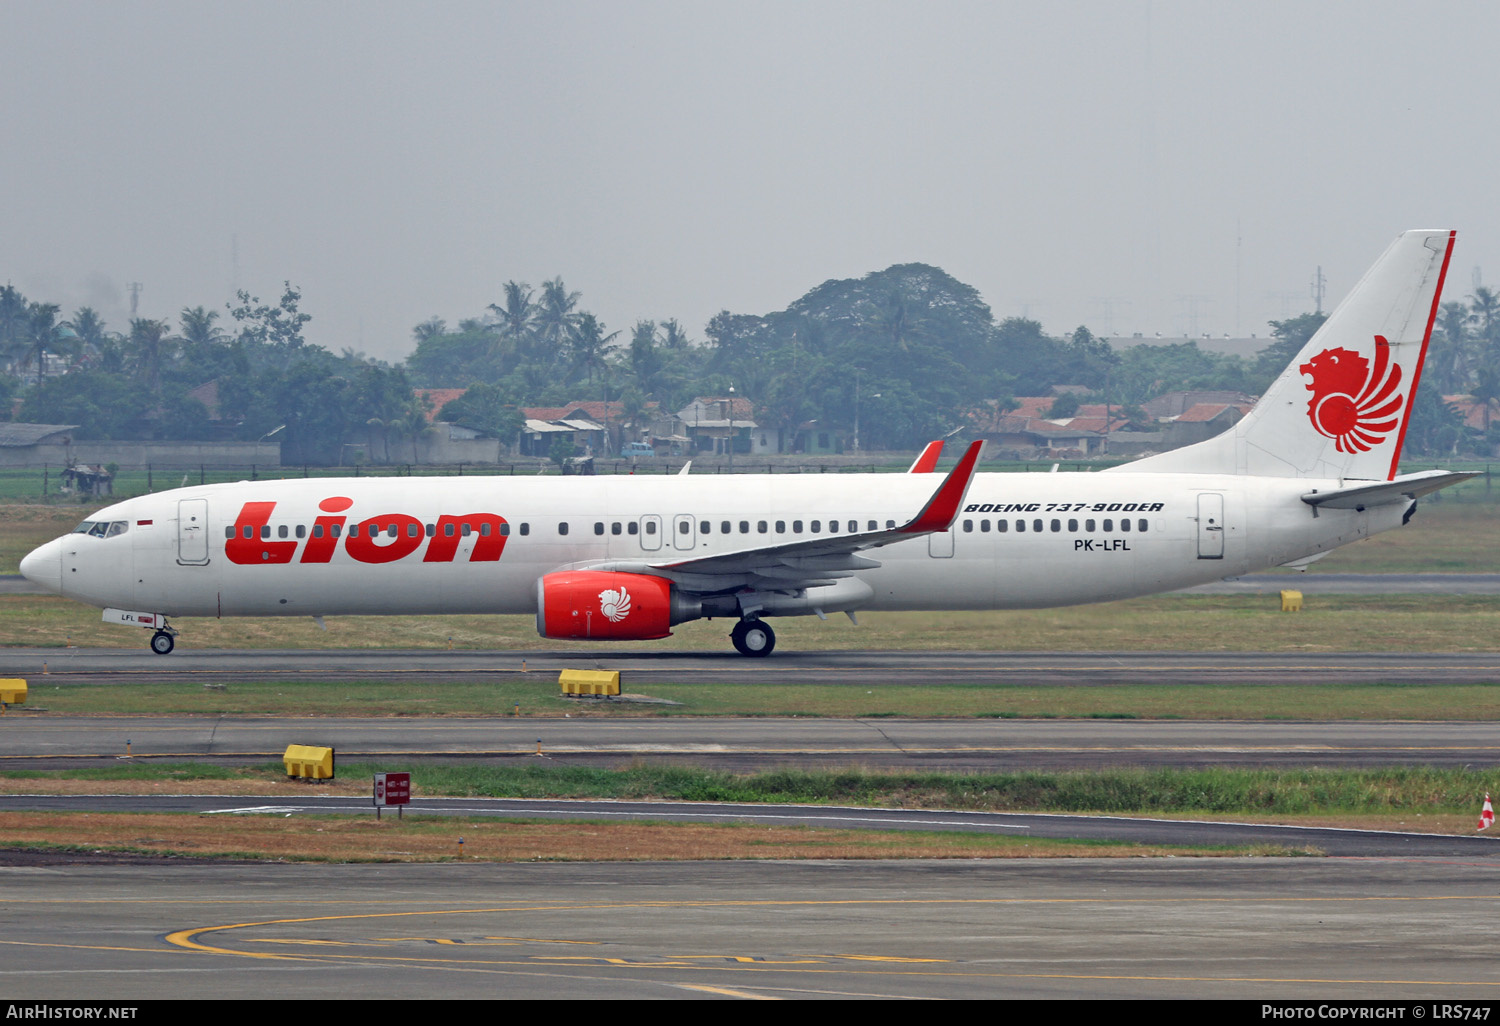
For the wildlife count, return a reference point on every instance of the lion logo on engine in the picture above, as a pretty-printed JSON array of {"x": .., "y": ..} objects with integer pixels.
[
  {"x": 614, "y": 604},
  {"x": 1351, "y": 403}
]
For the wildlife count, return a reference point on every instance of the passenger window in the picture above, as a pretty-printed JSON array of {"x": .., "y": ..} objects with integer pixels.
[
  {"x": 598, "y": 527},
  {"x": 1020, "y": 525},
  {"x": 890, "y": 525},
  {"x": 1140, "y": 525},
  {"x": 448, "y": 530},
  {"x": 390, "y": 530},
  {"x": 1056, "y": 526},
  {"x": 817, "y": 526},
  {"x": 614, "y": 527},
  {"x": 562, "y": 528},
  {"x": 650, "y": 527},
  {"x": 1036, "y": 525},
  {"x": 414, "y": 531},
  {"x": 781, "y": 527},
  {"x": 228, "y": 531},
  {"x": 265, "y": 530},
  {"x": 249, "y": 531},
  {"x": 432, "y": 530},
  {"x": 505, "y": 530},
  {"x": 1072, "y": 525},
  {"x": 467, "y": 530},
  {"x": 1109, "y": 525},
  {"x": 632, "y": 527},
  {"x": 684, "y": 527},
  {"x": 525, "y": 529},
  {"x": 1088, "y": 525},
  {"x": 1124, "y": 523},
  {"x": 335, "y": 530},
  {"x": 1002, "y": 526},
  {"x": 796, "y": 527},
  {"x": 704, "y": 527},
  {"x": 484, "y": 529},
  {"x": 873, "y": 526},
  {"x": 726, "y": 527},
  {"x": 984, "y": 526},
  {"x": 301, "y": 530},
  {"x": 968, "y": 526},
  {"x": 281, "y": 531},
  {"x": 761, "y": 527},
  {"x": 833, "y": 527},
  {"x": 744, "y": 527}
]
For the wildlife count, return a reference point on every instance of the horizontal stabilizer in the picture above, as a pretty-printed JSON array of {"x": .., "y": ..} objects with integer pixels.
[{"x": 1378, "y": 493}]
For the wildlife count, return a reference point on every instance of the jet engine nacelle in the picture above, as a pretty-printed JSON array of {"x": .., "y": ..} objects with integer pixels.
[{"x": 601, "y": 604}]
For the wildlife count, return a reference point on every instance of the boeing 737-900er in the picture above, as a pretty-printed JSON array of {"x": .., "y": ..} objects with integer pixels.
[{"x": 1313, "y": 466}]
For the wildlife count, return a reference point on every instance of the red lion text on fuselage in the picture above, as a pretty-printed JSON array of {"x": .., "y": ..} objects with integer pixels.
[{"x": 384, "y": 538}]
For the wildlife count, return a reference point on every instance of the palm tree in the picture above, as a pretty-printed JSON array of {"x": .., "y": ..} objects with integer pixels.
[
  {"x": 517, "y": 320},
  {"x": 430, "y": 328},
  {"x": 42, "y": 334},
  {"x": 1450, "y": 358},
  {"x": 589, "y": 346},
  {"x": 1484, "y": 305},
  {"x": 556, "y": 317},
  {"x": 198, "y": 329},
  {"x": 12, "y": 320},
  {"x": 150, "y": 347}
]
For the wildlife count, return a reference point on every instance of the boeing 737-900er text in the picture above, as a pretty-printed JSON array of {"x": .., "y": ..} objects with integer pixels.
[{"x": 1312, "y": 467}]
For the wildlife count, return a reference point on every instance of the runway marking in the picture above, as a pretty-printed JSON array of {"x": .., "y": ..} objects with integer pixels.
[
  {"x": 727, "y": 992},
  {"x": 187, "y": 938}
]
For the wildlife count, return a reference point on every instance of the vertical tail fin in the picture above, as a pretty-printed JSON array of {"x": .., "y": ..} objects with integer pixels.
[{"x": 1341, "y": 409}]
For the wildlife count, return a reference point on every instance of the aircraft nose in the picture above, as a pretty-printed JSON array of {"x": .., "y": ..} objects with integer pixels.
[{"x": 43, "y": 566}]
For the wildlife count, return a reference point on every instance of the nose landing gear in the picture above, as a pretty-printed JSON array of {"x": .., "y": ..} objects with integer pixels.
[
  {"x": 753, "y": 637},
  {"x": 164, "y": 640}
]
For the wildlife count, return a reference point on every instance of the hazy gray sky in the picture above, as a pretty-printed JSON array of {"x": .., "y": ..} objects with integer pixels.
[{"x": 1130, "y": 166}]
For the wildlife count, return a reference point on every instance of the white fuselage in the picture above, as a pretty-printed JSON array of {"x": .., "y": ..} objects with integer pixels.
[{"x": 1067, "y": 538}]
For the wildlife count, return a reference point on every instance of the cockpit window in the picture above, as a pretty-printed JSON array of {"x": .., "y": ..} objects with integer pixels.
[
  {"x": 118, "y": 527},
  {"x": 84, "y": 527},
  {"x": 99, "y": 530}
]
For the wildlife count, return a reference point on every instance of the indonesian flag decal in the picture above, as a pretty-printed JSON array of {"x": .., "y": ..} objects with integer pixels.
[{"x": 1486, "y": 814}]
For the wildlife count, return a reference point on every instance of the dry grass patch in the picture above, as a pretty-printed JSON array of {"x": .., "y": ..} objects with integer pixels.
[{"x": 433, "y": 839}]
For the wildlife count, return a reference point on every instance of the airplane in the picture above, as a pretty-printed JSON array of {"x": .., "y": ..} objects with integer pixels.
[{"x": 1312, "y": 467}]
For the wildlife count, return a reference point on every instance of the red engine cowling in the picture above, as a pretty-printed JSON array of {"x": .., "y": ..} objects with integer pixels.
[{"x": 603, "y": 605}]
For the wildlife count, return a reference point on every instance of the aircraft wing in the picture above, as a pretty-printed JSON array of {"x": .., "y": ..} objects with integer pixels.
[
  {"x": 1378, "y": 493},
  {"x": 807, "y": 562}
]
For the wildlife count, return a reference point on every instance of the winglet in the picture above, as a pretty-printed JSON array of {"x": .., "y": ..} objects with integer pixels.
[
  {"x": 927, "y": 462},
  {"x": 940, "y": 510}
]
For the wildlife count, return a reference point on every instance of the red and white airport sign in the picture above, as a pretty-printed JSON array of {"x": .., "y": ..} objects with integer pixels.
[{"x": 392, "y": 788}]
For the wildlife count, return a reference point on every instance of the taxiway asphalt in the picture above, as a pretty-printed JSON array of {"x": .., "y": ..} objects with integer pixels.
[{"x": 1385, "y": 929}]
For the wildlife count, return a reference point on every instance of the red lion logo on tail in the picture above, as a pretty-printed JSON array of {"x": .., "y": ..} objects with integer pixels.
[{"x": 1350, "y": 403}]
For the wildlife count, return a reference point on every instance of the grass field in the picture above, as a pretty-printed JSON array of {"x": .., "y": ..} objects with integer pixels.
[
  {"x": 1404, "y": 799},
  {"x": 1210, "y": 623}
]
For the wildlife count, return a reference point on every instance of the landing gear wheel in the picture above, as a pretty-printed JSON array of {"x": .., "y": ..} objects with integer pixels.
[
  {"x": 753, "y": 638},
  {"x": 162, "y": 643}
]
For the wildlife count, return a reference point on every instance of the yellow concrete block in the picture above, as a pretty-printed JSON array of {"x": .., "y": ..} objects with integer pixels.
[
  {"x": 309, "y": 762},
  {"x": 12, "y": 690},
  {"x": 1291, "y": 602},
  {"x": 589, "y": 682}
]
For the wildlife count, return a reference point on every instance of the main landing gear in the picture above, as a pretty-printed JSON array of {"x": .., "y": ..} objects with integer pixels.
[
  {"x": 164, "y": 640},
  {"x": 753, "y": 638}
]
